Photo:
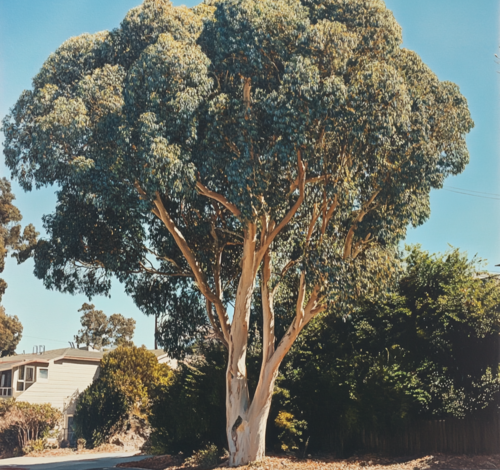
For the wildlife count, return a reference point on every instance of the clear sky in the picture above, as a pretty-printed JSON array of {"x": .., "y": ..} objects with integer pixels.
[{"x": 456, "y": 38}]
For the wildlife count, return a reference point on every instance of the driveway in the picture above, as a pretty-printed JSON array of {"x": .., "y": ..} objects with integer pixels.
[{"x": 72, "y": 462}]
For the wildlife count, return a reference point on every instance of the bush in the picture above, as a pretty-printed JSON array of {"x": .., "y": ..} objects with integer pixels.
[
  {"x": 190, "y": 412},
  {"x": 80, "y": 443},
  {"x": 24, "y": 425},
  {"x": 123, "y": 389},
  {"x": 204, "y": 458},
  {"x": 37, "y": 445},
  {"x": 290, "y": 437}
]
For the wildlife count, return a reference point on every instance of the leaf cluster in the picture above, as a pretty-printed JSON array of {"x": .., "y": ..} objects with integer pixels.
[{"x": 99, "y": 331}]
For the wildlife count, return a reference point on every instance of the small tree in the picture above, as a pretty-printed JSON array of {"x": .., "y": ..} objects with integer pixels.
[
  {"x": 99, "y": 331},
  {"x": 123, "y": 389},
  {"x": 202, "y": 152}
]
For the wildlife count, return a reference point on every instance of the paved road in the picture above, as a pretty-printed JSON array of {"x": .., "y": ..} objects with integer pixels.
[{"x": 73, "y": 462}]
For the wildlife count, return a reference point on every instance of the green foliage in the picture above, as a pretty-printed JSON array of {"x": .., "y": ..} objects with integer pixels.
[
  {"x": 24, "y": 425},
  {"x": 189, "y": 413},
  {"x": 204, "y": 458},
  {"x": 11, "y": 238},
  {"x": 10, "y": 333},
  {"x": 428, "y": 350},
  {"x": 99, "y": 331},
  {"x": 243, "y": 99},
  {"x": 291, "y": 429},
  {"x": 100, "y": 409},
  {"x": 126, "y": 380}
]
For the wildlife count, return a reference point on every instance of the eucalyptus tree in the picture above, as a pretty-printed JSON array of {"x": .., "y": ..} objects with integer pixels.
[{"x": 202, "y": 155}]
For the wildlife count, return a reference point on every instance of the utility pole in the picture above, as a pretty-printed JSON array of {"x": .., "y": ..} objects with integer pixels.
[{"x": 156, "y": 330}]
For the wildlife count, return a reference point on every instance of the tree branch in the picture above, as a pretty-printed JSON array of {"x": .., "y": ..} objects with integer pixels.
[
  {"x": 204, "y": 191},
  {"x": 302, "y": 318},
  {"x": 267, "y": 312},
  {"x": 269, "y": 239},
  {"x": 329, "y": 215},
  {"x": 217, "y": 330},
  {"x": 199, "y": 275},
  {"x": 350, "y": 234}
]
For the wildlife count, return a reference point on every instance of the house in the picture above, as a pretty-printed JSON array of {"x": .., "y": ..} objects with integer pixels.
[{"x": 56, "y": 377}]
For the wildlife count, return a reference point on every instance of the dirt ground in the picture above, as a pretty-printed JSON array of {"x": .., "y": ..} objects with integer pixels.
[{"x": 368, "y": 462}]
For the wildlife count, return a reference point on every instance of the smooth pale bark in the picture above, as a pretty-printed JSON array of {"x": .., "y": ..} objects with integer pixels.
[
  {"x": 246, "y": 419},
  {"x": 246, "y": 423}
]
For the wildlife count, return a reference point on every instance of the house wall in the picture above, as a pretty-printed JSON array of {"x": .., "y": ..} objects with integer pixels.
[{"x": 66, "y": 381}]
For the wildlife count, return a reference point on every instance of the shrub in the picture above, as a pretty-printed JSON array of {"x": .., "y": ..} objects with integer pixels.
[
  {"x": 291, "y": 429},
  {"x": 23, "y": 425},
  {"x": 127, "y": 375},
  {"x": 80, "y": 443},
  {"x": 189, "y": 413},
  {"x": 204, "y": 458},
  {"x": 37, "y": 445}
]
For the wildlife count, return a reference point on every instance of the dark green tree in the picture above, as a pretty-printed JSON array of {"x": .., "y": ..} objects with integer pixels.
[
  {"x": 188, "y": 412},
  {"x": 11, "y": 331},
  {"x": 12, "y": 239},
  {"x": 427, "y": 350},
  {"x": 201, "y": 152},
  {"x": 99, "y": 331}
]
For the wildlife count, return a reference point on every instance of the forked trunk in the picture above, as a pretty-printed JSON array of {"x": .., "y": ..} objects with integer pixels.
[{"x": 246, "y": 423}]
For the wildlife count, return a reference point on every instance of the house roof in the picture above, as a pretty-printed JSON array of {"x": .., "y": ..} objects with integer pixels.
[
  {"x": 9, "y": 362},
  {"x": 54, "y": 354}
]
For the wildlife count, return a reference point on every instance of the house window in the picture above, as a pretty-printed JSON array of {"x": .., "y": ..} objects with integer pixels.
[
  {"x": 6, "y": 383},
  {"x": 43, "y": 374},
  {"x": 26, "y": 378}
]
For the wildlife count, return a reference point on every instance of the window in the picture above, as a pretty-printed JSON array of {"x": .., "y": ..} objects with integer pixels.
[
  {"x": 43, "y": 374},
  {"x": 26, "y": 378},
  {"x": 6, "y": 383}
]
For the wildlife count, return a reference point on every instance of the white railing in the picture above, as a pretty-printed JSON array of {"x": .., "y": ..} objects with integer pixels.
[{"x": 5, "y": 391}]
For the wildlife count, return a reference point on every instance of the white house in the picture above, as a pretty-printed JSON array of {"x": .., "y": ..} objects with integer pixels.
[{"x": 56, "y": 377}]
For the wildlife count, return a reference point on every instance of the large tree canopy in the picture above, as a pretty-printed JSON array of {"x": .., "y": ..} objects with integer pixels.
[{"x": 198, "y": 151}]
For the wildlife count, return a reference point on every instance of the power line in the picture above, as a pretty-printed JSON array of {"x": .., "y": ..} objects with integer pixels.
[
  {"x": 473, "y": 195},
  {"x": 45, "y": 339},
  {"x": 472, "y": 191}
]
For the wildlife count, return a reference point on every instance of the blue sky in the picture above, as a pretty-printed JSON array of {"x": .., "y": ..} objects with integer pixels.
[{"x": 456, "y": 38}]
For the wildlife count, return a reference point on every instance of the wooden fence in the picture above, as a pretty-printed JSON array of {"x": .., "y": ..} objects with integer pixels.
[{"x": 471, "y": 435}]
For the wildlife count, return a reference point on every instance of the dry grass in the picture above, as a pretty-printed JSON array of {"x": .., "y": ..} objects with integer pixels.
[
  {"x": 368, "y": 462},
  {"x": 105, "y": 448}
]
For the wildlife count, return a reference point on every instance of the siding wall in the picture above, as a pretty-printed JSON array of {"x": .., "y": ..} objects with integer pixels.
[{"x": 66, "y": 381}]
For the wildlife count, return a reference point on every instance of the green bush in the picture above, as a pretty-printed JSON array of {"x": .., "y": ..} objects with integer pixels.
[
  {"x": 190, "y": 412},
  {"x": 292, "y": 430},
  {"x": 204, "y": 458},
  {"x": 127, "y": 376}
]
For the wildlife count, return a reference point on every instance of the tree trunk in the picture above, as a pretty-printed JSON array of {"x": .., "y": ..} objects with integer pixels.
[{"x": 246, "y": 423}]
